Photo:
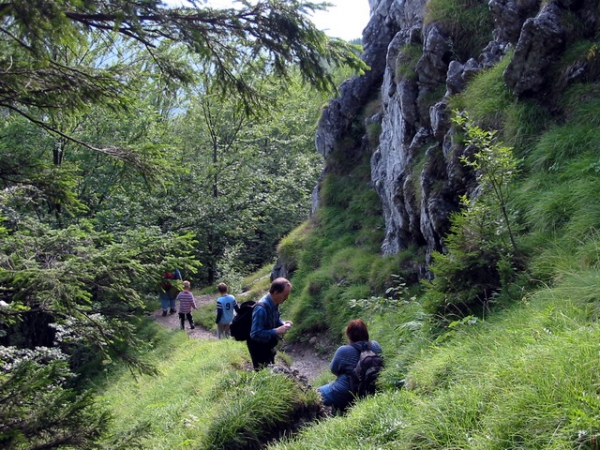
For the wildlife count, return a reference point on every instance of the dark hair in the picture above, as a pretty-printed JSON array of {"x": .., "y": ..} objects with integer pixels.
[
  {"x": 278, "y": 285},
  {"x": 357, "y": 331},
  {"x": 222, "y": 287}
]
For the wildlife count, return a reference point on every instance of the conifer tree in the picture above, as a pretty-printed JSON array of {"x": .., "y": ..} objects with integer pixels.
[{"x": 267, "y": 37}]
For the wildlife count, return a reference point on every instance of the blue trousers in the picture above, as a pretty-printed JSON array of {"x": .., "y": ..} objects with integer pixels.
[{"x": 167, "y": 301}]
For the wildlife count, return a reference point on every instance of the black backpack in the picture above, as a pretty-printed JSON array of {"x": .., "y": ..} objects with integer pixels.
[
  {"x": 242, "y": 323},
  {"x": 363, "y": 379}
]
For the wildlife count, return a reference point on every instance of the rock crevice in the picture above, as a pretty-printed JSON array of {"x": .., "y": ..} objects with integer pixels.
[{"x": 416, "y": 168}]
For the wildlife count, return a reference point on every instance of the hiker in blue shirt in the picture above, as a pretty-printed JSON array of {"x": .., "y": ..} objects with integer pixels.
[
  {"x": 267, "y": 326},
  {"x": 337, "y": 393},
  {"x": 226, "y": 304}
]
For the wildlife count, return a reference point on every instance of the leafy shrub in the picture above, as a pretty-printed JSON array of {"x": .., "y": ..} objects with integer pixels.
[
  {"x": 39, "y": 409},
  {"x": 229, "y": 269},
  {"x": 482, "y": 248},
  {"x": 467, "y": 277}
]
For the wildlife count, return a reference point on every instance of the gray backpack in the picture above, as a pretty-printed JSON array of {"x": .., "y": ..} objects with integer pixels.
[{"x": 363, "y": 379}]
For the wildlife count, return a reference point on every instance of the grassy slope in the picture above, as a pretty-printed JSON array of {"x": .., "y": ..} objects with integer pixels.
[
  {"x": 200, "y": 399},
  {"x": 526, "y": 377},
  {"x": 178, "y": 397}
]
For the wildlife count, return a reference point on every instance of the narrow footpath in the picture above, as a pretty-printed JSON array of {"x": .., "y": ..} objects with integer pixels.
[{"x": 306, "y": 361}]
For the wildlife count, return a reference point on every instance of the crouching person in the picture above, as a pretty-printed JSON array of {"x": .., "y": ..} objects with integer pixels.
[{"x": 338, "y": 394}]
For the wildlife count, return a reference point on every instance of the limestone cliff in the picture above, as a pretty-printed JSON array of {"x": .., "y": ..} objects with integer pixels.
[{"x": 418, "y": 61}]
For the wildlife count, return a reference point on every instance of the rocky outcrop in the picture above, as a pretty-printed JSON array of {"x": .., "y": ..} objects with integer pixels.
[
  {"x": 355, "y": 92},
  {"x": 541, "y": 39},
  {"x": 416, "y": 168}
]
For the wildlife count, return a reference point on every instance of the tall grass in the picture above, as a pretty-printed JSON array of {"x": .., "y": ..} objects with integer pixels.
[
  {"x": 490, "y": 104},
  {"x": 527, "y": 379},
  {"x": 406, "y": 62},
  {"x": 335, "y": 252},
  {"x": 486, "y": 97},
  {"x": 202, "y": 398},
  {"x": 256, "y": 407}
]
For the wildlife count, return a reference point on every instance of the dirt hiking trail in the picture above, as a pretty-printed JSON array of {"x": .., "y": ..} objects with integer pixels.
[{"x": 305, "y": 360}]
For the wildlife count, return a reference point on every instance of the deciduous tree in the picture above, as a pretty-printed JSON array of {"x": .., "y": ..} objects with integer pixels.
[{"x": 265, "y": 37}]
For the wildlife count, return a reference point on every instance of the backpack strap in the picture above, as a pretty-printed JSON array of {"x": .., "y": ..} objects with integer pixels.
[{"x": 359, "y": 347}]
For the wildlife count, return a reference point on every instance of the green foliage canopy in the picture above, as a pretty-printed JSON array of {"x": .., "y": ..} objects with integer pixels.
[
  {"x": 84, "y": 237},
  {"x": 268, "y": 37}
]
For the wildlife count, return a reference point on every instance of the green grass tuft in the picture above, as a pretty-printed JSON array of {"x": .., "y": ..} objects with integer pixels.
[
  {"x": 406, "y": 62},
  {"x": 255, "y": 407},
  {"x": 468, "y": 23},
  {"x": 486, "y": 97}
]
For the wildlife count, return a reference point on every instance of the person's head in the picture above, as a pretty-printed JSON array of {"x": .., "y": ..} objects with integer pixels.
[
  {"x": 357, "y": 331},
  {"x": 222, "y": 288},
  {"x": 187, "y": 285},
  {"x": 280, "y": 290}
]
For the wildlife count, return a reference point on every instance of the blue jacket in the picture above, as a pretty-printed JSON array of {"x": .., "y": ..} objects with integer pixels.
[
  {"x": 337, "y": 393},
  {"x": 265, "y": 320}
]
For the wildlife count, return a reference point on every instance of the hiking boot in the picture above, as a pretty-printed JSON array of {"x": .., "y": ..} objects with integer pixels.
[
  {"x": 172, "y": 311},
  {"x": 164, "y": 312},
  {"x": 192, "y": 327}
]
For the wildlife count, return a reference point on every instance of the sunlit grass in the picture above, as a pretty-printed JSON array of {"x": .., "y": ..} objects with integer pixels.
[
  {"x": 203, "y": 397},
  {"x": 528, "y": 378},
  {"x": 179, "y": 403}
]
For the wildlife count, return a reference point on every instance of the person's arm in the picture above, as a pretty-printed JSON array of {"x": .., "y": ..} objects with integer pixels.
[
  {"x": 219, "y": 312},
  {"x": 335, "y": 365},
  {"x": 344, "y": 360}
]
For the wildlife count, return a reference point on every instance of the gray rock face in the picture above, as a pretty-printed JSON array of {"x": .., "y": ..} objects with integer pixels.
[
  {"x": 509, "y": 16},
  {"x": 541, "y": 39},
  {"x": 355, "y": 92},
  {"x": 416, "y": 168}
]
